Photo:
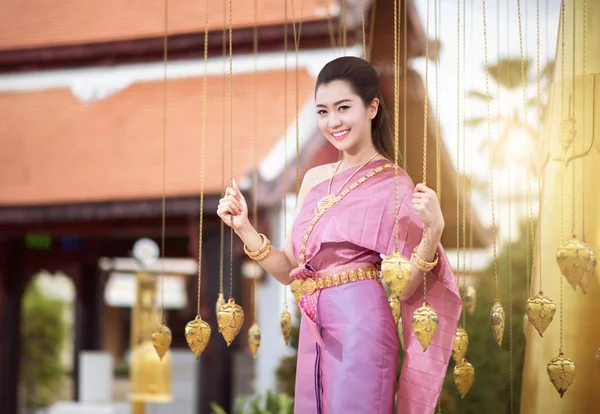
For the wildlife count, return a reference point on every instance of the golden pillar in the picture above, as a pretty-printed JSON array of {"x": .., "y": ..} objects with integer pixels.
[{"x": 581, "y": 329}]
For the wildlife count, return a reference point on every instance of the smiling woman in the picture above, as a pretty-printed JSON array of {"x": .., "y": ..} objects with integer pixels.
[{"x": 345, "y": 221}]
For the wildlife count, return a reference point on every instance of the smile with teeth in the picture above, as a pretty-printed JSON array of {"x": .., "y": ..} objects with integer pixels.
[{"x": 340, "y": 134}]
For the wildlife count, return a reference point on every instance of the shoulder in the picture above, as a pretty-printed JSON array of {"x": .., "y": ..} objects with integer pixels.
[{"x": 315, "y": 176}]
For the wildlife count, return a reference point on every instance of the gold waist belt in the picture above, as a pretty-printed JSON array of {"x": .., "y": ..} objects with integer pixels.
[{"x": 311, "y": 285}]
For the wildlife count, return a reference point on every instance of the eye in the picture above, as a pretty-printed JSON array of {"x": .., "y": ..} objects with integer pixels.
[
  {"x": 344, "y": 108},
  {"x": 321, "y": 112}
]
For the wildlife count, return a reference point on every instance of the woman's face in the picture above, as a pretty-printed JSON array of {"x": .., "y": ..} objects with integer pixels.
[{"x": 343, "y": 118}]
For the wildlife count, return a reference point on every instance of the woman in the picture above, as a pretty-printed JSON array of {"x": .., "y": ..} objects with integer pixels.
[{"x": 348, "y": 347}]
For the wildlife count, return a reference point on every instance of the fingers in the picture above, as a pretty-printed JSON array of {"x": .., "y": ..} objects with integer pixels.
[
  {"x": 232, "y": 204},
  {"x": 226, "y": 213},
  {"x": 233, "y": 200}
]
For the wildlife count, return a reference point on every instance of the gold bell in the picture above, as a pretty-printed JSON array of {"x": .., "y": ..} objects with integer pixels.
[
  {"x": 561, "y": 371},
  {"x": 577, "y": 262},
  {"x": 230, "y": 319},
  {"x": 285, "y": 320},
  {"x": 470, "y": 299},
  {"x": 394, "y": 302},
  {"x": 461, "y": 344},
  {"x": 425, "y": 324},
  {"x": 540, "y": 310},
  {"x": 220, "y": 302},
  {"x": 161, "y": 339},
  {"x": 598, "y": 359},
  {"x": 464, "y": 376},
  {"x": 497, "y": 319},
  {"x": 197, "y": 335},
  {"x": 254, "y": 339},
  {"x": 396, "y": 270}
]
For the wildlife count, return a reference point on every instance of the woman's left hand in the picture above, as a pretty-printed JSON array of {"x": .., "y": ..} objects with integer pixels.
[{"x": 427, "y": 206}]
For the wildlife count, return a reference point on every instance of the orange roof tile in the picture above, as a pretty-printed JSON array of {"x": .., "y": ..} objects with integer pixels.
[
  {"x": 38, "y": 23},
  {"x": 56, "y": 148}
]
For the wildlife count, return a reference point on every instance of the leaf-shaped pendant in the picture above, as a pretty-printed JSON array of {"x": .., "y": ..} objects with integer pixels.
[
  {"x": 285, "y": 320},
  {"x": 540, "y": 311},
  {"x": 161, "y": 339},
  {"x": 231, "y": 320},
  {"x": 461, "y": 344},
  {"x": 296, "y": 288},
  {"x": 396, "y": 270},
  {"x": 470, "y": 299},
  {"x": 464, "y": 376},
  {"x": 394, "y": 302},
  {"x": 598, "y": 359},
  {"x": 220, "y": 302},
  {"x": 425, "y": 324},
  {"x": 577, "y": 262},
  {"x": 561, "y": 371},
  {"x": 254, "y": 339},
  {"x": 197, "y": 335},
  {"x": 497, "y": 320}
]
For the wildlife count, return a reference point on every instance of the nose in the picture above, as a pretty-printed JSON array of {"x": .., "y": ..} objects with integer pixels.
[{"x": 333, "y": 121}]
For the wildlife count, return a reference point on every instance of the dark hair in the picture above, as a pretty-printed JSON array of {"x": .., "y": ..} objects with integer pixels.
[{"x": 364, "y": 82}]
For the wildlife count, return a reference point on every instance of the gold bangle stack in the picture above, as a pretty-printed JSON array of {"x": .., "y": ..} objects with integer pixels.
[
  {"x": 423, "y": 265},
  {"x": 262, "y": 252}
]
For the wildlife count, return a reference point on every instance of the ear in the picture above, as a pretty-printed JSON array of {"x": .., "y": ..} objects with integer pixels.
[{"x": 373, "y": 108}]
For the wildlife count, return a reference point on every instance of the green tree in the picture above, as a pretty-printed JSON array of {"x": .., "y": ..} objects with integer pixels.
[{"x": 42, "y": 337}]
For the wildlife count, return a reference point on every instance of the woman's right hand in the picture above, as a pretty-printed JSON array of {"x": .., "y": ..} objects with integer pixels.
[{"x": 233, "y": 209}]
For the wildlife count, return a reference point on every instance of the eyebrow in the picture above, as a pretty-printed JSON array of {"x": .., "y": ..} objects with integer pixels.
[{"x": 336, "y": 103}]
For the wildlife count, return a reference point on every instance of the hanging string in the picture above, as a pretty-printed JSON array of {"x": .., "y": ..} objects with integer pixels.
[
  {"x": 425, "y": 111},
  {"x": 203, "y": 154},
  {"x": 285, "y": 128},
  {"x": 297, "y": 33},
  {"x": 344, "y": 31},
  {"x": 253, "y": 297},
  {"x": 573, "y": 100},
  {"x": 583, "y": 52},
  {"x": 539, "y": 131},
  {"x": 371, "y": 29},
  {"x": 439, "y": 177},
  {"x": 362, "y": 22},
  {"x": 438, "y": 142},
  {"x": 231, "y": 140},
  {"x": 164, "y": 164},
  {"x": 562, "y": 167},
  {"x": 223, "y": 140},
  {"x": 470, "y": 181},
  {"x": 405, "y": 75},
  {"x": 396, "y": 123}
]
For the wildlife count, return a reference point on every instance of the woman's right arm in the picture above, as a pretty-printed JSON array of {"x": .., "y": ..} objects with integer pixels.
[{"x": 233, "y": 210}]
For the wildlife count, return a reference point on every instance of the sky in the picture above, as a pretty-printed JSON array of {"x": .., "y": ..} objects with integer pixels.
[{"x": 502, "y": 41}]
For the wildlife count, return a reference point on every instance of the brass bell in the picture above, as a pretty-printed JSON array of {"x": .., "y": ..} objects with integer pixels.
[
  {"x": 220, "y": 302},
  {"x": 461, "y": 344},
  {"x": 161, "y": 339},
  {"x": 470, "y": 299},
  {"x": 464, "y": 376},
  {"x": 425, "y": 324},
  {"x": 150, "y": 376},
  {"x": 285, "y": 320},
  {"x": 396, "y": 270},
  {"x": 197, "y": 335},
  {"x": 394, "y": 302},
  {"x": 577, "y": 262},
  {"x": 230, "y": 319},
  {"x": 497, "y": 319},
  {"x": 540, "y": 310},
  {"x": 254, "y": 339},
  {"x": 561, "y": 371}
]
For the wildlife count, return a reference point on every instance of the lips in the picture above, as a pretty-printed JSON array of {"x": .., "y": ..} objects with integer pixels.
[{"x": 340, "y": 135}]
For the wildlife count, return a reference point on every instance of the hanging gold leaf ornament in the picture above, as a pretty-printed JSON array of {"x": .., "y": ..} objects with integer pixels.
[
  {"x": 464, "y": 376},
  {"x": 561, "y": 371},
  {"x": 396, "y": 270},
  {"x": 540, "y": 311},
  {"x": 470, "y": 299},
  {"x": 497, "y": 319},
  {"x": 230, "y": 319},
  {"x": 425, "y": 324},
  {"x": 577, "y": 262},
  {"x": 161, "y": 339},
  {"x": 254, "y": 339},
  {"x": 461, "y": 344},
  {"x": 296, "y": 288},
  {"x": 197, "y": 335},
  {"x": 394, "y": 302},
  {"x": 285, "y": 321}
]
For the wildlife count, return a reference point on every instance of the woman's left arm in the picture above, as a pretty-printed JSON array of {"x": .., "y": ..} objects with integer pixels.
[{"x": 427, "y": 208}]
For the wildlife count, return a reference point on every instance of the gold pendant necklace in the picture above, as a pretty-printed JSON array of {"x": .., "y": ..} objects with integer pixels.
[{"x": 330, "y": 199}]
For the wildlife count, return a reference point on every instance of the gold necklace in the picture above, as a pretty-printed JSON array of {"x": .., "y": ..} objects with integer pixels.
[{"x": 330, "y": 199}]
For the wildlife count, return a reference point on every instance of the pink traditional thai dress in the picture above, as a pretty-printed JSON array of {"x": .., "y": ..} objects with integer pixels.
[{"x": 348, "y": 347}]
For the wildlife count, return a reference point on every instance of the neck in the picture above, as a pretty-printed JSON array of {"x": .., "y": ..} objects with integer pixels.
[{"x": 358, "y": 157}]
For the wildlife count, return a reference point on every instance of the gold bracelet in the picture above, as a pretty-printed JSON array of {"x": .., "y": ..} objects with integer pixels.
[
  {"x": 264, "y": 249},
  {"x": 423, "y": 265}
]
